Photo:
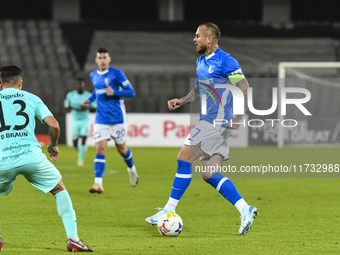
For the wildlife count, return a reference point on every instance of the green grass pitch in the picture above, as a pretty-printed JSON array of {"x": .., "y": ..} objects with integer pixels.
[{"x": 297, "y": 215}]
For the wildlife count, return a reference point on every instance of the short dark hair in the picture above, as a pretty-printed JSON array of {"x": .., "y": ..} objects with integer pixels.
[
  {"x": 10, "y": 74},
  {"x": 213, "y": 28},
  {"x": 103, "y": 50},
  {"x": 80, "y": 79}
]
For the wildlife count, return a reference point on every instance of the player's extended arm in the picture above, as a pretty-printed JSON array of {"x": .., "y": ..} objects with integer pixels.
[
  {"x": 192, "y": 96},
  {"x": 92, "y": 97},
  {"x": 127, "y": 91},
  {"x": 87, "y": 102},
  {"x": 243, "y": 85},
  {"x": 54, "y": 132},
  {"x": 67, "y": 104},
  {"x": 68, "y": 107}
]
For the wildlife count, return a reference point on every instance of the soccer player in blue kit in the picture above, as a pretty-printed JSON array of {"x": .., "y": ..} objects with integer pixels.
[
  {"x": 110, "y": 88},
  {"x": 207, "y": 140},
  {"x": 21, "y": 153}
]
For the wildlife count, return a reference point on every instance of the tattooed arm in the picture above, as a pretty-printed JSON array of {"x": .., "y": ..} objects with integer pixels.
[
  {"x": 243, "y": 85},
  {"x": 192, "y": 96}
]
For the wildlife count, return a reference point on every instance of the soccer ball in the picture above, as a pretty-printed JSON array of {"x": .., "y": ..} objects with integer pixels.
[{"x": 170, "y": 224}]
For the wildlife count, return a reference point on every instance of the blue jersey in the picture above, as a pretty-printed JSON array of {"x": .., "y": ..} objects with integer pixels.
[
  {"x": 18, "y": 143},
  {"x": 110, "y": 109},
  {"x": 218, "y": 68}
]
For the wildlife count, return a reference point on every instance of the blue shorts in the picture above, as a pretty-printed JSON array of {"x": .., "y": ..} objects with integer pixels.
[
  {"x": 41, "y": 173},
  {"x": 79, "y": 129}
]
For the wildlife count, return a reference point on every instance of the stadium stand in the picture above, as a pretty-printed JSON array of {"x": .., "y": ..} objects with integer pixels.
[
  {"x": 175, "y": 52},
  {"x": 38, "y": 47}
]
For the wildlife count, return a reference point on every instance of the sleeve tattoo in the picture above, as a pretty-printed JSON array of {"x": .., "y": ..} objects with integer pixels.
[{"x": 192, "y": 96}]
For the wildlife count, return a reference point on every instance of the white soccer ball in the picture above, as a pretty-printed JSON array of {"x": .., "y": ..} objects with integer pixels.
[{"x": 170, "y": 224}]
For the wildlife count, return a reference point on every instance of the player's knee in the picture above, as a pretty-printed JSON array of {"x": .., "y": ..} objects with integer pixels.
[
  {"x": 59, "y": 187},
  {"x": 83, "y": 140},
  {"x": 100, "y": 150}
]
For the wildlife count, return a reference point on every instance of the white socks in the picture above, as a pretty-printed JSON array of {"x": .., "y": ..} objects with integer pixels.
[
  {"x": 99, "y": 181},
  {"x": 171, "y": 205},
  {"x": 132, "y": 169},
  {"x": 240, "y": 204}
]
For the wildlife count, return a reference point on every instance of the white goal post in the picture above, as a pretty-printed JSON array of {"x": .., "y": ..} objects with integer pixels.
[{"x": 283, "y": 66}]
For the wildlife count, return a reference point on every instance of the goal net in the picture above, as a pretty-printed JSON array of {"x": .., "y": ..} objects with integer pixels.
[{"x": 322, "y": 127}]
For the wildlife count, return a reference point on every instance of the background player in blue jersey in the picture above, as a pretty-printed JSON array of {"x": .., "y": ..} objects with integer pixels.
[
  {"x": 208, "y": 141},
  {"x": 80, "y": 117},
  {"x": 21, "y": 153},
  {"x": 110, "y": 88}
]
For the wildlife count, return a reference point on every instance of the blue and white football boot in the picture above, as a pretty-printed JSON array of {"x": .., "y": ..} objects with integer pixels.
[
  {"x": 152, "y": 220},
  {"x": 247, "y": 217}
]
